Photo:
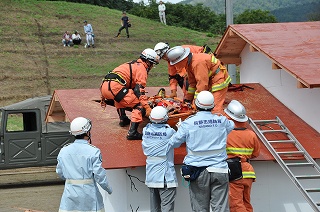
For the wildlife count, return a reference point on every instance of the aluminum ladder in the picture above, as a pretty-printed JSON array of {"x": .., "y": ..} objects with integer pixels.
[{"x": 292, "y": 157}]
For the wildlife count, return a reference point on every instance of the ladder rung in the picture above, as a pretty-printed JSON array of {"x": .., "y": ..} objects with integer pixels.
[
  {"x": 265, "y": 121},
  {"x": 299, "y": 164},
  {"x": 292, "y": 152},
  {"x": 308, "y": 176},
  {"x": 313, "y": 189},
  {"x": 273, "y": 131},
  {"x": 282, "y": 141}
]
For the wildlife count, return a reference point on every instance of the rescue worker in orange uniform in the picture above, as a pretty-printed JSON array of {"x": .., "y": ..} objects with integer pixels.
[
  {"x": 178, "y": 77},
  {"x": 242, "y": 143},
  {"x": 205, "y": 72},
  {"x": 125, "y": 85}
]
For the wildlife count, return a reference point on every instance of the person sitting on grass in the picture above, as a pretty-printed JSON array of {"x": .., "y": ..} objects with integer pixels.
[{"x": 76, "y": 38}]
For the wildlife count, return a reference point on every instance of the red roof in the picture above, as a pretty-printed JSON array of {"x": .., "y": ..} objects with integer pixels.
[
  {"x": 118, "y": 152},
  {"x": 294, "y": 47}
]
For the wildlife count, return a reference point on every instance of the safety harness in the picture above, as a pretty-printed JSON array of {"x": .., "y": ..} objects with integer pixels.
[{"x": 113, "y": 76}]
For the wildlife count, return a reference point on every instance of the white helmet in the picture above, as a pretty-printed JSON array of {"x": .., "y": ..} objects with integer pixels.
[
  {"x": 159, "y": 115},
  {"x": 80, "y": 126},
  {"x": 150, "y": 55},
  {"x": 236, "y": 111},
  {"x": 177, "y": 53},
  {"x": 205, "y": 100},
  {"x": 161, "y": 48}
]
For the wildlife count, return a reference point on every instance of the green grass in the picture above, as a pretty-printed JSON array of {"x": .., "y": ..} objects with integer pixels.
[{"x": 32, "y": 54}]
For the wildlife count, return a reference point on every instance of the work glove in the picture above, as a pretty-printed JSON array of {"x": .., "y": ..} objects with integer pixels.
[
  {"x": 173, "y": 93},
  {"x": 103, "y": 103},
  {"x": 188, "y": 103},
  {"x": 178, "y": 124}
]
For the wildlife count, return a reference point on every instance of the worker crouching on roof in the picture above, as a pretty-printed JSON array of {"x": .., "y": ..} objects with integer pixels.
[
  {"x": 125, "y": 85},
  {"x": 242, "y": 143},
  {"x": 205, "y": 73},
  {"x": 178, "y": 77}
]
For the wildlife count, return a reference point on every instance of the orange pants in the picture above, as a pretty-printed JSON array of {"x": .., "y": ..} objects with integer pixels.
[
  {"x": 219, "y": 98},
  {"x": 239, "y": 195},
  {"x": 130, "y": 99}
]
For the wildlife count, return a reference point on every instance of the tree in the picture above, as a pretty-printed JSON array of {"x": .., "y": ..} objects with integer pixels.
[{"x": 255, "y": 16}]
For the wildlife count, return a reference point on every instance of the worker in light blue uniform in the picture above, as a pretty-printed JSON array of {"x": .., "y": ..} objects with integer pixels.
[
  {"x": 80, "y": 165},
  {"x": 89, "y": 34},
  {"x": 205, "y": 135},
  {"x": 160, "y": 172}
]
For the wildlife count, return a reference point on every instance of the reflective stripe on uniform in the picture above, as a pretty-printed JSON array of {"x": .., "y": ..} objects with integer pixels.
[
  {"x": 191, "y": 90},
  {"x": 239, "y": 151},
  {"x": 222, "y": 85},
  {"x": 214, "y": 59},
  {"x": 84, "y": 181},
  {"x": 248, "y": 175}
]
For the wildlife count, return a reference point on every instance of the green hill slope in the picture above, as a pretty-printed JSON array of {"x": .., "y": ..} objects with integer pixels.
[{"x": 34, "y": 62}]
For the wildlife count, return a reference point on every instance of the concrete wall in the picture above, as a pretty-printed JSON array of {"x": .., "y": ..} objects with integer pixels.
[
  {"x": 272, "y": 191},
  {"x": 304, "y": 102}
]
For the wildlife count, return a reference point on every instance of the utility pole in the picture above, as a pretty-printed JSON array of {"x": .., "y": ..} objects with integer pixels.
[{"x": 229, "y": 20}]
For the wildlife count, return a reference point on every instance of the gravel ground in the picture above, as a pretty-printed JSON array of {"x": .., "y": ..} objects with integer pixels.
[{"x": 30, "y": 190}]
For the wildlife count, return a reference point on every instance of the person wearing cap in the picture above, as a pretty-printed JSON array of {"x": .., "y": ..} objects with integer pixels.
[
  {"x": 205, "y": 135},
  {"x": 124, "y": 24},
  {"x": 76, "y": 38},
  {"x": 161, "y": 176},
  {"x": 80, "y": 165},
  {"x": 89, "y": 34},
  {"x": 205, "y": 72},
  {"x": 242, "y": 143}
]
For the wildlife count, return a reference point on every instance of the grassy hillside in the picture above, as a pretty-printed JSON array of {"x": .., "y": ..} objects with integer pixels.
[{"x": 35, "y": 63}]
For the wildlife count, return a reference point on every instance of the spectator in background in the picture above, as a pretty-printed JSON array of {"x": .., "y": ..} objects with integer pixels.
[
  {"x": 162, "y": 12},
  {"x": 89, "y": 34},
  {"x": 76, "y": 38},
  {"x": 124, "y": 24},
  {"x": 66, "y": 39}
]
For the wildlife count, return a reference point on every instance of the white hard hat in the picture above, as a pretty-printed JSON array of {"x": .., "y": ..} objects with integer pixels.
[
  {"x": 159, "y": 115},
  {"x": 205, "y": 100},
  {"x": 161, "y": 48},
  {"x": 150, "y": 55},
  {"x": 177, "y": 54},
  {"x": 236, "y": 111},
  {"x": 80, "y": 126}
]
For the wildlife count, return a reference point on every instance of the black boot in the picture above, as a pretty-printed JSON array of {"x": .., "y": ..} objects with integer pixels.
[
  {"x": 124, "y": 120},
  {"x": 117, "y": 35},
  {"x": 133, "y": 134}
]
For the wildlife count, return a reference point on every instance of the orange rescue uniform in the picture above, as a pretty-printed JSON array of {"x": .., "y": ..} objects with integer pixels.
[
  {"x": 205, "y": 72},
  {"x": 173, "y": 71},
  {"x": 137, "y": 75},
  {"x": 245, "y": 144}
]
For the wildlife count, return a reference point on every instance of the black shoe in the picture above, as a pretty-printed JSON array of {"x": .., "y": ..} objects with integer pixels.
[
  {"x": 92, "y": 46},
  {"x": 124, "y": 121},
  {"x": 135, "y": 136},
  {"x": 127, "y": 36}
]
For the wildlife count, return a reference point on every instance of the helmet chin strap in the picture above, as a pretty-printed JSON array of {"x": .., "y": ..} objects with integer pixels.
[{"x": 89, "y": 137}]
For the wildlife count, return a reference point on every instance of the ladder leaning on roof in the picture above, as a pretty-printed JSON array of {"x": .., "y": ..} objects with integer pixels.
[{"x": 291, "y": 156}]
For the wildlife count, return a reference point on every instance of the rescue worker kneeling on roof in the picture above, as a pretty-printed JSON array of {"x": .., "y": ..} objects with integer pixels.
[
  {"x": 178, "y": 77},
  {"x": 242, "y": 143},
  {"x": 205, "y": 73},
  {"x": 125, "y": 85}
]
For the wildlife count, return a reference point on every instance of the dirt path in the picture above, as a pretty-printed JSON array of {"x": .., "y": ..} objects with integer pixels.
[{"x": 30, "y": 190}]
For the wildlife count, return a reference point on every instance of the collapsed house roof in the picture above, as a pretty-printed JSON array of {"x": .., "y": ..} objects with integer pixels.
[
  {"x": 118, "y": 152},
  {"x": 293, "y": 47}
]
